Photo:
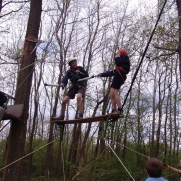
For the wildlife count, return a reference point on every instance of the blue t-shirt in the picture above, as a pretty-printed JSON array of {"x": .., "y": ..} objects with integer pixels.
[{"x": 155, "y": 179}]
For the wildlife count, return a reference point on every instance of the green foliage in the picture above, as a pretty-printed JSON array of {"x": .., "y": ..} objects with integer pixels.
[
  {"x": 106, "y": 168},
  {"x": 39, "y": 156}
]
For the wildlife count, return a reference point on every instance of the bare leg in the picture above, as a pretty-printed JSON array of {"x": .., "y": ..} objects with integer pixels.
[
  {"x": 117, "y": 98},
  {"x": 79, "y": 102},
  {"x": 64, "y": 102},
  {"x": 112, "y": 97}
]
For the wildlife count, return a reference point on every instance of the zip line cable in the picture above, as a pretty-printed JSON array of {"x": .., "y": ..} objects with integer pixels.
[{"x": 134, "y": 77}]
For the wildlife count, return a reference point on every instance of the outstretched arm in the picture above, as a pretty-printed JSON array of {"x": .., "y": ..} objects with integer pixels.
[
  {"x": 106, "y": 74},
  {"x": 173, "y": 169}
]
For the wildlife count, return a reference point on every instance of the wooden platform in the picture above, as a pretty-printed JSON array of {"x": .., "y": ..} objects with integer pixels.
[
  {"x": 13, "y": 112},
  {"x": 113, "y": 116}
]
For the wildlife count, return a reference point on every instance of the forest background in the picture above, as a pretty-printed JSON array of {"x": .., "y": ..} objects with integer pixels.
[{"x": 37, "y": 37}]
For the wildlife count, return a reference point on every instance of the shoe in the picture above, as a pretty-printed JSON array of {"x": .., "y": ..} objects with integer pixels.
[
  {"x": 61, "y": 117},
  {"x": 113, "y": 111},
  {"x": 120, "y": 112},
  {"x": 80, "y": 116}
]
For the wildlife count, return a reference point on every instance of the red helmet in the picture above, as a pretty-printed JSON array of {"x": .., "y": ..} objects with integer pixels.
[{"x": 122, "y": 52}]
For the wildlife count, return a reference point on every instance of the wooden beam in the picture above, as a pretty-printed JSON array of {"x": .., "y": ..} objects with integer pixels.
[{"x": 87, "y": 120}]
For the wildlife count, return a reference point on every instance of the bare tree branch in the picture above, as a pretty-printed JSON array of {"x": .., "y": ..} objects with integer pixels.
[
  {"x": 90, "y": 163},
  {"x": 11, "y": 2}
]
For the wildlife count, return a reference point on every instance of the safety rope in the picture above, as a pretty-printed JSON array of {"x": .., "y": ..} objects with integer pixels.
[
  {"x": 128, "y": 148},
  {"x": 24, "y": 68},
  {"x": 82, "y": 169},
  {"x": 151, "y": 36},
  {"x": 27, "y": 155},
  {"x": 74, "y": 76},
  {"x": 25, "y": 79},
  {"x": 5, "y": 125},
  {"x": 120, "y": 162}
]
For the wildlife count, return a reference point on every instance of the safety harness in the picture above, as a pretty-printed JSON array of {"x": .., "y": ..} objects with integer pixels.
[
  {"x": 118, "y": 68},
  {"x": 75, "y": 85}
]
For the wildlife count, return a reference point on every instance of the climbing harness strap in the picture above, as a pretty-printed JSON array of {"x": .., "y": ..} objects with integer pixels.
[
  {"x": 74, "y": 77},
  {"x": 118, "y": 68}
]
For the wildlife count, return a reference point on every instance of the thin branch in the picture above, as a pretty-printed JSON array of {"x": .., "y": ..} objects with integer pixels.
[{"x": 90, "y": 163}]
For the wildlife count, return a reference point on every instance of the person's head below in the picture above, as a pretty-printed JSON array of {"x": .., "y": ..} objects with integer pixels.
[
  {"x": 72, "y": 61},
  {"x": 121, "y": 52},
  {"x": 154, "y": 167}
]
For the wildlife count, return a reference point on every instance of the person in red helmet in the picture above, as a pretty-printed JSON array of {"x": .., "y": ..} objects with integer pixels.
[{"x": 122, "y": 64}]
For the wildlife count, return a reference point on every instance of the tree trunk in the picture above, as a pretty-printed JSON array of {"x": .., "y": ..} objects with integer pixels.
[
  {"x": 35, "y": 116},
  {"x": 0, "y": 5},
  {"x": 179, "y": 46},
  {"x": 17, "y": 135}
]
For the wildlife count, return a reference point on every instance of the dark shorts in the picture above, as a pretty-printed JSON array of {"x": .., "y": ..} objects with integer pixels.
[
  {"x": 73, "y": 91},
  {"x": 3, "y": 99},
  {"x": 117, "y": 82}
]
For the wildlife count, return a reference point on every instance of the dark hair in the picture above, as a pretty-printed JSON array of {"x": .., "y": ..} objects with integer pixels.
[{"x": 154, "y": 167}]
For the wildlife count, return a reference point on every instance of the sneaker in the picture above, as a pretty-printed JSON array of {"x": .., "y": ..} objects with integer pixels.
[
  {"x": 61, "y": 117},
  {"x": 113, "y": 111},
  {"x": 120, "y": 111},
  {"x": 80, "y": 116}
]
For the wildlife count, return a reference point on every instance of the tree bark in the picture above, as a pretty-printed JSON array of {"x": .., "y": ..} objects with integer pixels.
[
  {"x": 17, "y": 135},
  {"x": 178, "y": 2},
  {"x": 1, "y": 5}
]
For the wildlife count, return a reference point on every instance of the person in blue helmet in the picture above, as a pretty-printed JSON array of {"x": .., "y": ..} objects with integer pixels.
[{"x": 154, "y": 170}]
